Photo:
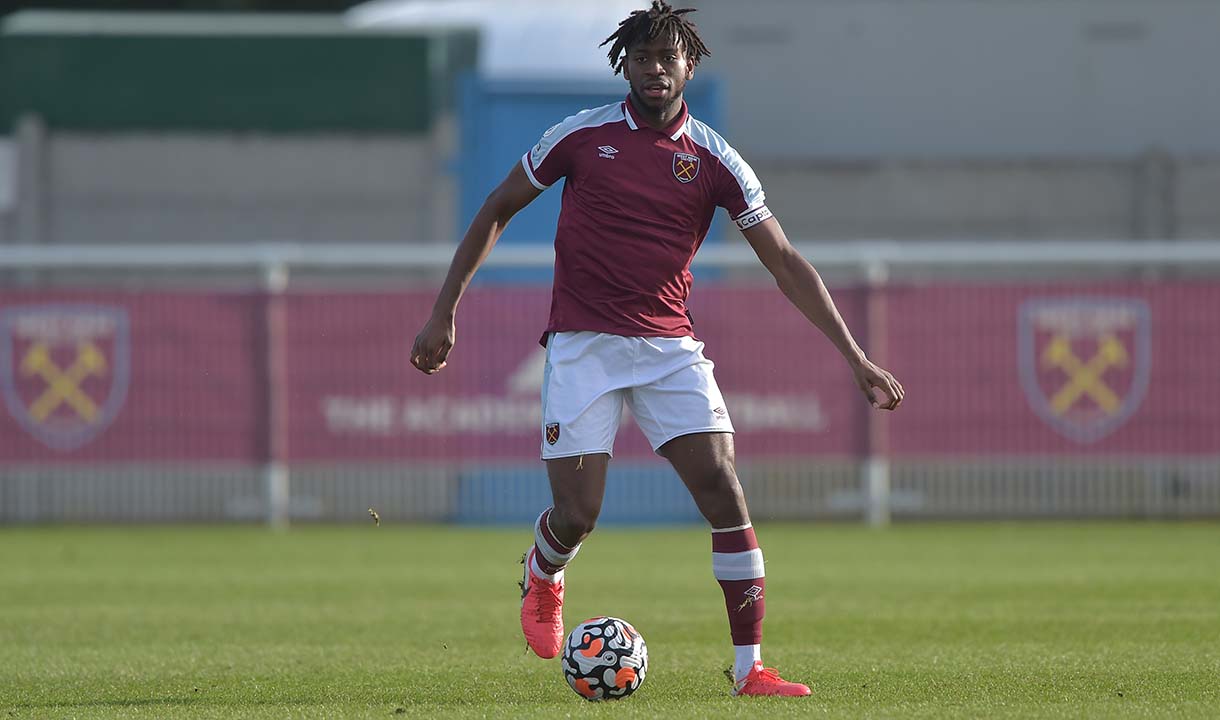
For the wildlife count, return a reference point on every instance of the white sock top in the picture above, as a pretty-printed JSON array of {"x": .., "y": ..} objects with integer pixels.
[
  {"x": 744, "y": 658},
  {"x": 537, "y": 571}
]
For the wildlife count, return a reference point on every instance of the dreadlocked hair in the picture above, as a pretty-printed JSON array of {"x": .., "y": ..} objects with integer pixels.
[{"x": 643, "y": 25}]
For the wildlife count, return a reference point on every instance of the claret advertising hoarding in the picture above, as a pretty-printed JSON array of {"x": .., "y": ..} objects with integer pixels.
[{"x": 989, "y": 371}]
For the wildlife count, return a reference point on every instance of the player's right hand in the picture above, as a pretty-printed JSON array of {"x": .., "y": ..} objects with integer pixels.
[{"x": 432, "y": 346}]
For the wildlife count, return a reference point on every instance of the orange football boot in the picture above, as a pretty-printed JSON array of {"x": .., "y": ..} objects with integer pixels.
[
  {"x": 541, "y": 611},
  {"x": 766, "y": 681}
]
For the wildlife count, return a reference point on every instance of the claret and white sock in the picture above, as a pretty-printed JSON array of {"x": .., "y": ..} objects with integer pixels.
[
  {"x": 550, "y": 555},
  {"x": 737, "y": 563}
]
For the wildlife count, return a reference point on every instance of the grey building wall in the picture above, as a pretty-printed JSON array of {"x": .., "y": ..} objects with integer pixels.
[
  {"x": 184, "y": 189},
  {"x": 928, "y": 119},
  {"x": 187, "y": 189},
  {"x": 1040, "y": 119},
  {"x": 1197, "y": 199},
  {"x": 228, "y": 187},
  {"x": 8, "y": 187},
  {"x": 952, "y": 199},
  {"x": 974, "y": 78},
  {"x": 1152, "y": 195}
]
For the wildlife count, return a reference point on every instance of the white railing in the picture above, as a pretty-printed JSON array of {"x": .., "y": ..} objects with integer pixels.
[{"x": 845, "y": 255}]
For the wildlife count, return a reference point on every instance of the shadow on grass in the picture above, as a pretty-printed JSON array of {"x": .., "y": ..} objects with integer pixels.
[
  {"x": 133, "y": 702},
  {"x": 147, "y": 702}
]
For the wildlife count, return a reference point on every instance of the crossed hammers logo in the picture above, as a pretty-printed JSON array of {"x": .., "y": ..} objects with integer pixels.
[
  {"x": 1085, "y": 377},
  {"x": 63, "y": 386}
]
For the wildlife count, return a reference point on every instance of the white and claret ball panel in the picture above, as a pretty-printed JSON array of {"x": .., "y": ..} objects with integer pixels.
[{"x": 605, "y": 658}]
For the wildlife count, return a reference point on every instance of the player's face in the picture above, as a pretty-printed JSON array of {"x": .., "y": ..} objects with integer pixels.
[{"x": 657, "y": 70}]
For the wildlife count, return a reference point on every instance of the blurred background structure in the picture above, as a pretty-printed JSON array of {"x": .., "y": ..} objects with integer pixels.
[{"x": 220, "y": 228}]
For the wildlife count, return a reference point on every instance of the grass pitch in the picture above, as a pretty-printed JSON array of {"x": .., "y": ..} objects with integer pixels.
[{"x": 1027, "y": 620}]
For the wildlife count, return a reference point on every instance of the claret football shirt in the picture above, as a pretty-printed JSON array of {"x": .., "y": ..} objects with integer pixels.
[{"x": 637, "y": 204}]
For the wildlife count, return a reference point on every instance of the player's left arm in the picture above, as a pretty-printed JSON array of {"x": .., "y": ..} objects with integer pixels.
[{"x": 803, "y": 287}]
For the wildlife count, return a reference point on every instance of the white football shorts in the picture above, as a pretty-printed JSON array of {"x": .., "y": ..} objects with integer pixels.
[{"x": 666, "y": 382}]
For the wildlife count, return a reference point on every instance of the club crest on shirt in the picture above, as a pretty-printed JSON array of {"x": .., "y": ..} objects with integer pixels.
[
  {"x": 552, "y": 433},
  {"x": 686, "y": 167}
]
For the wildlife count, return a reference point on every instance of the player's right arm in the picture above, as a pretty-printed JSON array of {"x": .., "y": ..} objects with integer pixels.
[{"x": 435, "y": 340}]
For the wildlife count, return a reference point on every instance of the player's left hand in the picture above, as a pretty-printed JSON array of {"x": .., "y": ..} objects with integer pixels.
[
  {"x": 432, "y": 346},
  {"x": 871, "y": 378}
]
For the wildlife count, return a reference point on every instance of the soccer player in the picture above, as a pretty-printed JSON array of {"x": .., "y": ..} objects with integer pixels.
[{"x": 643, "y": 181}]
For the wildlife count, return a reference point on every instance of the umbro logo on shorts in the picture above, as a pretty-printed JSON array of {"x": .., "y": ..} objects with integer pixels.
[
  {"x": 552, "y": 433},
  {"x": 607, "y": 151}
]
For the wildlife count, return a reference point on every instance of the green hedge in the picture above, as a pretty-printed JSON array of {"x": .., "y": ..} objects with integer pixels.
[{"x": 292, "y": 82}]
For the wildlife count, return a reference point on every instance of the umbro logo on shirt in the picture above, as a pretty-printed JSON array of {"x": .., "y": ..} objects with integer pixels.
[{"x": 607, "y": 151}]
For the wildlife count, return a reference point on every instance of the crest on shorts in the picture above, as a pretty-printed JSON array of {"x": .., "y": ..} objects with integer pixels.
[
  {"x": 1084, "y": 362},
  {"x": 64, "y": 370},
  {"x": 686, "y": 166},
  {"x": 552, "y": 433}
]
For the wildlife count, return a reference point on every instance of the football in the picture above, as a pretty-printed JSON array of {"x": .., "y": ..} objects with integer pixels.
[{"x": 605, "y": 658}]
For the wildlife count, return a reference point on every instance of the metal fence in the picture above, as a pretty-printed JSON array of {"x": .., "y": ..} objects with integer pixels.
[{"x": 271, "y": 383}]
